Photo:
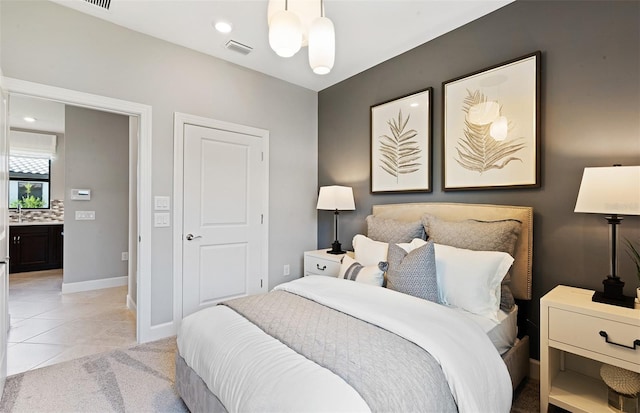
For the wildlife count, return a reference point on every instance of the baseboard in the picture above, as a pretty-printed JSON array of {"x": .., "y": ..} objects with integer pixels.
[
  {"x": 131, "y": 305},
  {"x": 94, "y": 284},
  {"x": 534, "y": 369},
  {"x": 159, "y": 331}
]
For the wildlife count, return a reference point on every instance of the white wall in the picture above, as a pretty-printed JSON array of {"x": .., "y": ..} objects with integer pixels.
[
  {"x": 47, "y": 43},
  {"x": 57, "y": 170},
  {"x": 97, "y": 158},
  {"x": 132, "y": 296}
]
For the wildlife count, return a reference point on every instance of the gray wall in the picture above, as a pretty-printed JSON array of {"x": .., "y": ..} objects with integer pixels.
[
  {"x": 97, "y": 158},
  {"x": 590, "y": 117},
  {"x": 50, "y": 44}
]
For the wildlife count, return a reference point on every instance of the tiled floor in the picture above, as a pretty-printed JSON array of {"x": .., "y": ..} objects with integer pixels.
[{"x": 48, "y": 327}]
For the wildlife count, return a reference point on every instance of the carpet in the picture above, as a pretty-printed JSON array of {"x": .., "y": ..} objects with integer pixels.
[{"x": 136, "y": 379}]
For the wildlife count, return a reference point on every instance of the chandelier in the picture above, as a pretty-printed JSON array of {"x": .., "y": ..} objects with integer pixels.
[{"x": 294, "y": 24}]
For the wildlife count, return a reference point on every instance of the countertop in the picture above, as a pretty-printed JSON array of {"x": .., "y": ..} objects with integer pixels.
[{"x": 25, "y": 223}]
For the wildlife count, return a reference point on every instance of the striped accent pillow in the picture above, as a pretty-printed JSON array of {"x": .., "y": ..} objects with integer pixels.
[{"x": 352, "y": 270}]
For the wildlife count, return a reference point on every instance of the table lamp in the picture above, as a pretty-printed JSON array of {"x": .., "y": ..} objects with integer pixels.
[
  {"x": 336, "y": 198},
  {"x": 612, "y": 191}
]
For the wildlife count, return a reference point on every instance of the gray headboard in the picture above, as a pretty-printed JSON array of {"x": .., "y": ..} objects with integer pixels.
[{"x": 521, "y": 271}]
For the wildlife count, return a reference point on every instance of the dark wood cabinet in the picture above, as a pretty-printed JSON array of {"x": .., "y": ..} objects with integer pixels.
[{"x": 35, "y": 247}]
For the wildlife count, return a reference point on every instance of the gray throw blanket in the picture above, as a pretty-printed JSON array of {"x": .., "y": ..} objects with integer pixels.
[{"x": 390, "y": 373}]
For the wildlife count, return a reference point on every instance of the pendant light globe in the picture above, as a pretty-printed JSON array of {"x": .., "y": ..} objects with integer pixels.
[
  {"x": 322, "y": 45},
  {"x": 285, "y": 33}
]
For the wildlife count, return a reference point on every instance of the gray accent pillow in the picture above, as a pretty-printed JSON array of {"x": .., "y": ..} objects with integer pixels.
[
  {"x": 478, "y": 235},
  {"x": 393, "y": 231},
  {"x": 413, "y": 273}
]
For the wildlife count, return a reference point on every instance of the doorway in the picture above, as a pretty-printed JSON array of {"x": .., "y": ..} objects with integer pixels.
[
  {"x": 144, "y": 330},
  {"x": 46, "y": 327}
]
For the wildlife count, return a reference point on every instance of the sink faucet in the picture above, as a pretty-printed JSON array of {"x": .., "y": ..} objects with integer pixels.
[{"x": 19, "y": 212}]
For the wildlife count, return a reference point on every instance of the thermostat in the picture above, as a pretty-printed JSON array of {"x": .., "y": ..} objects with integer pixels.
[{"x": 81, "y": 194}]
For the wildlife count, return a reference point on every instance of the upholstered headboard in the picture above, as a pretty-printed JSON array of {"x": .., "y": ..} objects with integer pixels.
[{"x": 521, "y": 270}]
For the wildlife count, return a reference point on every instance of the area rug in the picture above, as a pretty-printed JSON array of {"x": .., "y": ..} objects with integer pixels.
[{"x": 137, "y": 379}]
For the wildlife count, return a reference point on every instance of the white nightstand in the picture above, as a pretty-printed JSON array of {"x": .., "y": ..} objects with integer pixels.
[
  {"x": 320, "y": 262},
  {"x": 576, "y": 337}
]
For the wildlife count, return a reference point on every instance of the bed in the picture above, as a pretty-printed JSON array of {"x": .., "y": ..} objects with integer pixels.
[{"x": 328, "y": 344}]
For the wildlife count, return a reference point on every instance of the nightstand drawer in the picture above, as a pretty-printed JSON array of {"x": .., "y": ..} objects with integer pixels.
[
  {"x": 313, "y": 265},
  {"x": 592, "y": 333}
]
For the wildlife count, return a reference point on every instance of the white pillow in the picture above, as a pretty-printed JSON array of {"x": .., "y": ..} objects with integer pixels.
[
  {"x": 471, "y": 279},
  {"x": 350, "y": 269},
  {"x": 414, "y": 244},
  {"x": 369, "y": 252}
]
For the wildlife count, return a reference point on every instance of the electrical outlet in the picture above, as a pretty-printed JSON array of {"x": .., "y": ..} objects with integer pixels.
[
  {"x": 287, "y": 270},
  {"x": 125, "y": 256}
]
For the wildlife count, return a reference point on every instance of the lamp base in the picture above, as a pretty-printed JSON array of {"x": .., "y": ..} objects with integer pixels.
[
  {"x": 623, "y": 301},
  {"x": 336, "y": 248},
  {"x": 613, "y": 286}
]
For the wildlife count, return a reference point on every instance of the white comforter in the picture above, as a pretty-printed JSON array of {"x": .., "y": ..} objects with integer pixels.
[{"x": 251, "y": 371}]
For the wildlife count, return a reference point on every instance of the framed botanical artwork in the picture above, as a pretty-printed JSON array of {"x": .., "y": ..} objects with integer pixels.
[
  {"x": 401, "y": 144},
  {"x": 491, "y": 127}
]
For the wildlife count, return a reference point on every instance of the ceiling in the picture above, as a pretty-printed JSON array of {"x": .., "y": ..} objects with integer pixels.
[
  {"x": 49, "y": 115},
  {"x": 368, "y": 32}
]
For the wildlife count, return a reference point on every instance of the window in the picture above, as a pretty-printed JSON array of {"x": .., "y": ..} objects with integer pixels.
[{"x": 29, "y": 180}]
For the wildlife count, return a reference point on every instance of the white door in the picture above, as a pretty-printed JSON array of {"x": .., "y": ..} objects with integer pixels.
[
  {"x": 4, "y": 235},
  {"x": 223, "y": 185}
]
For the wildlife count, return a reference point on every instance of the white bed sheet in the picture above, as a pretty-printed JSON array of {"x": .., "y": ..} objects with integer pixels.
[{"x": 503, "y": 334}]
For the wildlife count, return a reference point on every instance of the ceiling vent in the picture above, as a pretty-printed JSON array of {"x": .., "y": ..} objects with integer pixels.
[
  {"x": 238, "y": 47},
  {"x": 105, "y": 4}
]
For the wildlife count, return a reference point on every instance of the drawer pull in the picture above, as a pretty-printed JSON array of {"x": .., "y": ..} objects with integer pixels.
[
  {"x": 604, "y": 334},
  {"x": 324, "y": 267}
]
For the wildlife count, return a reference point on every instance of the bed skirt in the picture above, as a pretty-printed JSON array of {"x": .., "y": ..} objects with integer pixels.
[
  {"x": 517, "y": 361},
  {"x": 193, "y": 390}
]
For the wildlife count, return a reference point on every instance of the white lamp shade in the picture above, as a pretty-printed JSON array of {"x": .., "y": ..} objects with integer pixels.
[
  {"x": 322, "y": 45},
  {"x": 336, "y": 198},
  {"x": 610, "y": 190},
  {"x": 285, "y": 33},
  {"x": 306, "y": 10}
]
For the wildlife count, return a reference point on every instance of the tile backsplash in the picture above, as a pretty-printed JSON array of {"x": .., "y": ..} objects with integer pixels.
[{"x": 53, "y": 214}]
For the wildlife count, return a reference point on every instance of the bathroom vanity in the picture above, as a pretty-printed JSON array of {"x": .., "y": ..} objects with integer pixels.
[{"x": 35, "y": 246}]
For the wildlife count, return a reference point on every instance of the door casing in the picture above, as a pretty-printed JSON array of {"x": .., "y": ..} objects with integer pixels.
[
  {"x": 5, "y": 320},
  {"x": 145, "y": 331}
]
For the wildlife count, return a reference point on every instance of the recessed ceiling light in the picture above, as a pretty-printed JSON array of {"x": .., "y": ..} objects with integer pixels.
[
  {"x": 29, "y": 119},
  {"x": 223, "y": 27},
  {"x": 414, "y": 105}
]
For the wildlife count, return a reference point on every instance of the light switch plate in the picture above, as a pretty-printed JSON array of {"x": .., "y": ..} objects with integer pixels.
[
  {"x": 161, "y": 219},
  {"x": 85, "y": 215},
  {"x": 161, "y": 203}
]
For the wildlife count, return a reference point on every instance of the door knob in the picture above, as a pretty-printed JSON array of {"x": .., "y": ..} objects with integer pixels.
[{"x": 192, "y": 237}]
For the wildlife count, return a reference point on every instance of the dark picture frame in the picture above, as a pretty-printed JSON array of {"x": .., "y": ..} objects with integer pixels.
[
  {"x": 401, "y": 143},
  {"x": 491, "y": 127}
]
